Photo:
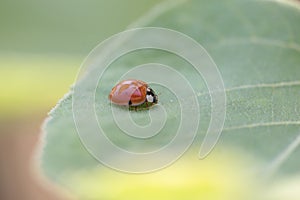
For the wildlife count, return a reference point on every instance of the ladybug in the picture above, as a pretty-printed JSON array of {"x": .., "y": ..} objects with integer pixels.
[{"x": 133, "y": 93}]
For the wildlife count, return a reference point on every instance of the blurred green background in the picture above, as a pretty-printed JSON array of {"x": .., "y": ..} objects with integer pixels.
[{"x": 42, "y": 45}]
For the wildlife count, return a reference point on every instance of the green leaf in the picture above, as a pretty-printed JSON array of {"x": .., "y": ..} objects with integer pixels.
[{"x": 256, "y": 46}]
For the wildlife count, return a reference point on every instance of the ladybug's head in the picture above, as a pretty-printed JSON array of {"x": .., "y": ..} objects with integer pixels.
[{"x": 151, "y": 96}]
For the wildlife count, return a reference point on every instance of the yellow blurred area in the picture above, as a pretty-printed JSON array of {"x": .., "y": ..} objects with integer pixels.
[
  {"x": 217, "y": 177},
  {"x": 33, "y": 83},
  {"x": 287, "y": 188}
]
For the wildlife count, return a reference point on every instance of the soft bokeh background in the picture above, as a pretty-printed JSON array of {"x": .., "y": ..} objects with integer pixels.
[{"x": 42, "y": 44}]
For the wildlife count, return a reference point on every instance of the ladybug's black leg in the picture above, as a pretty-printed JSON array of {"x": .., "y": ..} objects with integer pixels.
[{"x": 130, "y": 103}]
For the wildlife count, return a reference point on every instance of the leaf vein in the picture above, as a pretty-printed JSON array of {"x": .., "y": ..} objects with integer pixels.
[
  {"x": 261, "y": 85},
  {"x": 259, "y": 41},
  {"x": 282, "y": 157},
  {"x": 265, "y": 85},
  {"x": 256, "y": 125}
]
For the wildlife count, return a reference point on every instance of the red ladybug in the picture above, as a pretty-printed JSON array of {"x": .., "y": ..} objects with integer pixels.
[{"x": 133, "y": 93}]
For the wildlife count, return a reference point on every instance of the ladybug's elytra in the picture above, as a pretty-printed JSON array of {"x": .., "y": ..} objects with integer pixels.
[{"x": 133, "y": 93}]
